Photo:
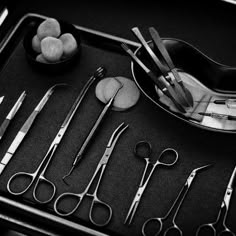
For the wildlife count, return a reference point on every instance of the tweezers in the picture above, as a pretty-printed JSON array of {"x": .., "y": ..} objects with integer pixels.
[
  {"x": 161, "y": 82},
  {"x": 11, "y": 114},
  {"x": 25, "y": 128},
  {"x": 170, "y": 74},
  {"x": 95, "y": 127},
  {"x": 175, "y": 75}
]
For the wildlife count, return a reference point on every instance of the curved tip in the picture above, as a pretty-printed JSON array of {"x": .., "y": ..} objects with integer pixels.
[
  {"x": 203, "y": 167},
  {"x": 67, "y": 175}
]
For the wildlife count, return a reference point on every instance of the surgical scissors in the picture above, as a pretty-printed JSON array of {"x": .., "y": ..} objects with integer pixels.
[
  {"x": 143, "y": 149},
  {"x": 66, "y": 197},
  {"x": 39, "y": 175},
  {"x": 161, "y": 223},
  {"x": 219, "y": 226}
]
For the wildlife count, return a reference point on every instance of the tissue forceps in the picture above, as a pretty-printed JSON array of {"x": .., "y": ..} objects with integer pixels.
[
  {"x": 161, "y": 82},
  {"x": 143, "y": 183},
  {"x": 11, "y": 114},
  {"x": 162, "y": 222},
  {"x": 170, "y": 74},
  {"x": 25, "y": 128},
  {"x": 99, "y": 174},
  {"x": 80, "y": 153},
  {"x": 39, "y": 175},
  {"x": 219, "y": 226}
]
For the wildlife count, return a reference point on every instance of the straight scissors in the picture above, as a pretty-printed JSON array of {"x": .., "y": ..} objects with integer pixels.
[
  {"x": 219, "y": 226},
  {"x": 161, "y": 223},
  {"x": 143, "y": 150},
  {"x": 41, "y": 182},
  {"x": 96, "y": 202}
]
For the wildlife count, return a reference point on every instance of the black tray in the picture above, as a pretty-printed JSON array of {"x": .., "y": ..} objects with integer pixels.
[{"x": 196, "y": 147}]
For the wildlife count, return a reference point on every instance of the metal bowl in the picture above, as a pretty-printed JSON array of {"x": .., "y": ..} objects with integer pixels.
[{"x": 218, "y": 79}]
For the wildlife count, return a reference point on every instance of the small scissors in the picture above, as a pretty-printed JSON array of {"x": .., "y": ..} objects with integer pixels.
[
  {"x": 96, "y": 203},
  {"x": 159, "y": 224},
  {"x": 219, "y": 226},
  {"x": 143, "y": 149}
]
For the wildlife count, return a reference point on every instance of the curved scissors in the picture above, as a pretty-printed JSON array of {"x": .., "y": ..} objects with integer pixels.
[
  {"x": 161, "y": 223},
  {"x": 219, "y": 226},
  {"x": 66, "y": 198},
  {"x": 38, "y": 177},
  {"x": 143, "y": 150}
]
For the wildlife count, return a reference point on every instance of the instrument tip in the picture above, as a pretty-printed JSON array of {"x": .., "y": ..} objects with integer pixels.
[
  {"x": 203, "y": 167},
  {"x": 67, "y": 175}
]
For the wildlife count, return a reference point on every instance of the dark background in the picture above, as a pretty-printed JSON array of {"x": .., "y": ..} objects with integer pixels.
[{"x": 210, "y": 26}]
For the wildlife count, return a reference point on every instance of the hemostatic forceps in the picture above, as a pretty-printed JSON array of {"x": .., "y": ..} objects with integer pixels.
[
  {"x": 96, "y": 202},
  {"x": 39, "y": 175},
  {"x": 143, "y": 183},
  {"x": 219, "y": 226},
  {"x": 161, "y": 224}
]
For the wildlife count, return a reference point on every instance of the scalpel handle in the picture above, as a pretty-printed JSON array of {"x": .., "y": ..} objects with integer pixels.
[
  {"x": 11, "y": 150},
  {"x": 17, "y": 141}
]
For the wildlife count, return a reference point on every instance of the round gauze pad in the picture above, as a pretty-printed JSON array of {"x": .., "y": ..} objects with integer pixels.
[
  {"x": 99, "y": 89},
  {"x": 52, "y": 49},
  {"x": 69, "y": 44},
  {"x": 49, "y": 27},
  {"x": 127, "y": 96},
  {"x": 36, "y": 44}
]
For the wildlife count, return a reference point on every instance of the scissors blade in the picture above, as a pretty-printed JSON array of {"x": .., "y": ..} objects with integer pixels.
[
  {"x": 24, "y": 129},
  {"x": 11, "y": 114},
  {"x": 176, "y": 78},
  {"x": 231, "y": 183},
  {"x": 131, "y": 212},
  {"x": 1, "y": 99}
]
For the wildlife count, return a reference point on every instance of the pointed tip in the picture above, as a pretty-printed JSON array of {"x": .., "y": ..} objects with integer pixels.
[
  {"x": 1, "y": 99},
  {"x": 203, "y": 167}
]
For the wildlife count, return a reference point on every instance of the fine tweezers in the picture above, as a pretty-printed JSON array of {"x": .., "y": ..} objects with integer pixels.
[
  {"x": 25, "y": 128},
  {"x": 11, "y": 114},
  {"x": 81, "y": 151}
]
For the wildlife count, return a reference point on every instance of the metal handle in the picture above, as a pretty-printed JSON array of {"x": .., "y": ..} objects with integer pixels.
[
  {"x": 152, "y": 223},
  {"x": 17, "y": 179},
  {"x": 42, "y": 183},
  {"x": 96, "y": 203},
  {"x": 65, "y": 198}
]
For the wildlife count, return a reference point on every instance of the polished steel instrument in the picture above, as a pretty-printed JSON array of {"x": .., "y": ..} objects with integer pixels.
[
  {"x": 38, "y": 177},
  {"x": 161, "y": 82},
  {"x": 11, "y": 114},
  {"x": 95, "y": 127},
  {"x": 25, "y": 128},
  {"x": 96, "y": 203},
  {"x": 166, "y": 225},
  {"x": 219, "y": 227},
  {"x": 145, "y": 178}
]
